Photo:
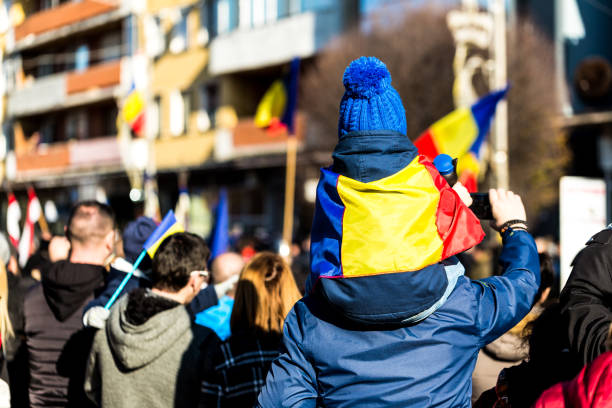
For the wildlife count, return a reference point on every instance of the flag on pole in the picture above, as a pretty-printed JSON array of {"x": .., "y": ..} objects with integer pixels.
[
  {"x": 276, "y": 110},
  {"x": 460, "y": 134},
  {"x": 26, "y": 243},
  {"x": 167, "y": 227},
  {"x": 13, "y": 216},
  {"x": 219, "y": 239},
  {"x": 132, "y": 111}
]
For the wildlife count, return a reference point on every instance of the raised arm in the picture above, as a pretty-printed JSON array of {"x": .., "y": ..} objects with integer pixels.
[{"x": 502, "y": 301}]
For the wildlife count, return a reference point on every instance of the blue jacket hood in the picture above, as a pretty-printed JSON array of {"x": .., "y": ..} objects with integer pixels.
[{"x": 387, "y": 299}]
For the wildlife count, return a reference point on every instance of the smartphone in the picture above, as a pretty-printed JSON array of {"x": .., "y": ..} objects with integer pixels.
[{"x": 481, "y": 206}]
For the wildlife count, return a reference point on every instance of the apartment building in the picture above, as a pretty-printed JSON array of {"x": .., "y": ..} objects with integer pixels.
[{"x": 202, "y": 67}]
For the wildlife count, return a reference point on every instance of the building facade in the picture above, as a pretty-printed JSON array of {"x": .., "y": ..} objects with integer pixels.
[{"x": 201, "y": 67}]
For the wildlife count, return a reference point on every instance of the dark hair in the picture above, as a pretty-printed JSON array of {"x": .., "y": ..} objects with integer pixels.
[
  {"x": 175, "y": 259},
  {"x": 547, "y": 275},
  {"x": 81, "y": 227}
]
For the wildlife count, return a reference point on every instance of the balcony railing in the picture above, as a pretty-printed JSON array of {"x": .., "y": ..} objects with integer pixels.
[
  {"x": 66, "y": 89},
  {"x": 65, "y": 14}
]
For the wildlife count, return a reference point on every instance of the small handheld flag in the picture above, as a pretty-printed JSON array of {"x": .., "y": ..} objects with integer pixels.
[{"x": 168, "y": 226}]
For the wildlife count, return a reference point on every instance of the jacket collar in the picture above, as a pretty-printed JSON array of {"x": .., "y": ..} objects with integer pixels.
[{"x": 371, "y": 155}]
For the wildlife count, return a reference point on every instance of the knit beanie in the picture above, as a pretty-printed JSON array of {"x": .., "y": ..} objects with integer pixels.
[
  {"x": 135, "y": 235},
  {"x": 369, "y": 101}
]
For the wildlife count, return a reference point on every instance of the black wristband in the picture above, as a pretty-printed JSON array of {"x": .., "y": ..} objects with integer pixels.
[{"x": 508, "y": 224}]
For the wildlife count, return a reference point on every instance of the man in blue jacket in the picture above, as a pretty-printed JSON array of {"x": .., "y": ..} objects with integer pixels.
[{"x": 390, "y": 320}]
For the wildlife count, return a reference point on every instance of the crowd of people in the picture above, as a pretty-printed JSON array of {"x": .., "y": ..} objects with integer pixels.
[{"x": 382, "y": 315}]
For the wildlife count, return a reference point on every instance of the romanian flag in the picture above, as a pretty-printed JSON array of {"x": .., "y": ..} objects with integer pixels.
[
  {"x": 460, "y": 134},
  {"x": 133, "y": 112},
  {"x": 168, "y": 226},
  {"x": 403, "y": 222},
  {"x": 276, "y": 110}
]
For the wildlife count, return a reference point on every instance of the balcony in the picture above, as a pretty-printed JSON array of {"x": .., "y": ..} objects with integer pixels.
[
  {"x": 65, "y": 20},
  {"x": 97, "y": 83},
  {"x": 301, "y": 35},
  {"x": 69, "y": 159}
]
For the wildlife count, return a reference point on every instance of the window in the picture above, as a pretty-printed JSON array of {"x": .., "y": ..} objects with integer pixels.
[
  {"x": 227, "y": 16},
  {"x": 288, "y": 8},
  {"x": 259, "y": 12},
  {"x": 186, "y": 110},
  {"x": 109, "y": 120},
  {"x": 110, "y": 47},
  {"x": 179, "y": 36},
  {"x": 177, "y": 114},
  {"x": 207, "y": 107},
  {"x": 208, "y": 20},
  {"x": 81, "y": 58},
  {"x": 76, "y": 125},
  {"x": 154, "y": 117}
]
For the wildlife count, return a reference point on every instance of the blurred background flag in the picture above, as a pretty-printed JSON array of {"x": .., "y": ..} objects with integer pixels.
[
  {"x": 132, "y": 111},
  {"x": 276, "y": 110},
  {"x": 167, "y": 227},
  {"x": 219, "y": 238},
  {"x": 26, "y": 243},
  {"x": 461, "y": 134},
  {"x": 13, "y": 216}
]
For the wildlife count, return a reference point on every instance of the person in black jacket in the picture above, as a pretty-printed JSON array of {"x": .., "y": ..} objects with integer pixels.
[
  {"x": 586, "y": 300},
  {"x": 57, "y": 347}
]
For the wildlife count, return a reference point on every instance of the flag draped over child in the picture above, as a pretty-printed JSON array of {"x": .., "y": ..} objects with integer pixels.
[{"x": 460, "y": 134}]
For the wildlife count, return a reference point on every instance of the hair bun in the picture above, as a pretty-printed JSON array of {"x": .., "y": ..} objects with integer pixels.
[{"x": 366, "y": 77}]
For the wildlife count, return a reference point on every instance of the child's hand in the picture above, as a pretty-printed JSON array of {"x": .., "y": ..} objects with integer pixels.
[
  {"x": 506, "y": 206},
  {"x": 463, "y": 193}
]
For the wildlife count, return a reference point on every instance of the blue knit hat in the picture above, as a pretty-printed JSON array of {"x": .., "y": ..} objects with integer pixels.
[
  {"x": 134, "y": 236},
  {"x": 370, "y": 102}
]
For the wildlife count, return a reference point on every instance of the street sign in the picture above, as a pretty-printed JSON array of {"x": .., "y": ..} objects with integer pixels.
[{"x": 582, "y": 204}]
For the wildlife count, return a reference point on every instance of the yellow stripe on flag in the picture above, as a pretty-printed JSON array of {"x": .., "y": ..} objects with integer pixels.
[
  {"x": 389, "y": 225},
  {"x": 172, "y": 230},
  {"x": 133, "y": 106},
  {"x": 272, "y": 104},
  {"x": 455, "y": 133}
]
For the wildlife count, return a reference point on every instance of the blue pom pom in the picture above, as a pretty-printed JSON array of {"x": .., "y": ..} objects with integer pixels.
[{"x": 366, "y": 77}]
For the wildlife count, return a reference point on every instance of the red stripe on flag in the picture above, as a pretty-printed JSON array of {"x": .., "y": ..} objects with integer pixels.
[
  {"x": 469, "y": 180},
  {"x": 457, "y": 225},
  {"x": 426, "y": 145}
]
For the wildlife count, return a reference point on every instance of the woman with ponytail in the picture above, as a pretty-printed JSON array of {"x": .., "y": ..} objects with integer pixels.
[{"x": 265, "y": 294}]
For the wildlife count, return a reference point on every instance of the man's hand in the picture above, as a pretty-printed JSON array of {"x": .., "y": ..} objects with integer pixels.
[
  {"x": 59, "y": 248},
  {"x": 96, "y": 317},
  {"x": 463, "y": 193},
  {"x": 506, "y": 206}
]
